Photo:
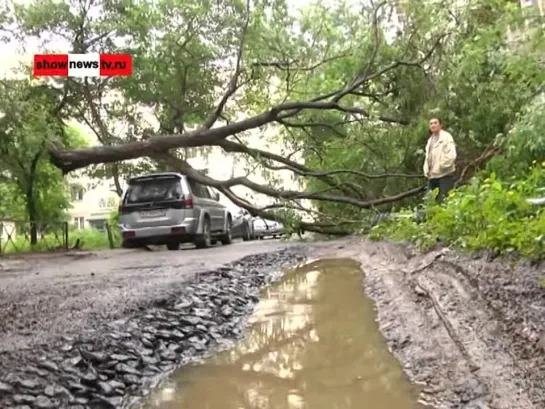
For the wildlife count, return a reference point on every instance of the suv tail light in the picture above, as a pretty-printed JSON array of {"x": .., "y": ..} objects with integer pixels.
[
  {"x": 128, "y": 234},
  {"x": 188, "y": 202}
]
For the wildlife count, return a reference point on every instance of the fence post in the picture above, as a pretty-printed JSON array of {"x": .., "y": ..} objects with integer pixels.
[
  {"x": 65, "y": 234},
  {"x": 1, "y": 234},
  {"x": 110, "y": 236}
]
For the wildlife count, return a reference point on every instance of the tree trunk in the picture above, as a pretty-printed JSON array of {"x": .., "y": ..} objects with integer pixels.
[
  {"x": 32, "y": 211},
  {"x": 32, "y": 215},
  {"x": 115, "y": 172}
]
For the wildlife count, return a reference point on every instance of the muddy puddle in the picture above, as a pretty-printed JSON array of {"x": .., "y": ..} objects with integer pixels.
[{"x": 313, "y": 343}]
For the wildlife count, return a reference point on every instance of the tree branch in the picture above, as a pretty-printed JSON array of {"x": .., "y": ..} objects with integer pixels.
[
  {"x": 289, "y": 65},
  {"x": 337, "y": 96},
  {"x": 332, "y": 229},
  {"x": 184, "y": 167},
  {"x": 69, "y": 160},
  {"x": 233, "y": 83},
  {"x": 299, "y": 169}
]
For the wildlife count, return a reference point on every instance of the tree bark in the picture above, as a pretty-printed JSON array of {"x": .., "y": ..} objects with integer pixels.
[
  {"x": 32, "y": 213},
  {"x": 32, "y": 210},
  {"x": 73, "y": 159}
]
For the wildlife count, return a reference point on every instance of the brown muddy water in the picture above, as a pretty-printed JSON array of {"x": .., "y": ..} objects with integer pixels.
[{"x": 313, "y": 343}]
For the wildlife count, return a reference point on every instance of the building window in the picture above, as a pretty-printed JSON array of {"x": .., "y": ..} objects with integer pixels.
[
  {"x": 108, "y": 203},
  {"x": 98, "y": 224},
  {"x": 79, "y": 223},
  {"x": 76, "y": 193}
]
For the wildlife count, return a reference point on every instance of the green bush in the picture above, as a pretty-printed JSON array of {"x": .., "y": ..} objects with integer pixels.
[
  {"x": 93, "y": 239},
  {"x": 524, "y": 142},
  {"x": 487, "y": 214}
]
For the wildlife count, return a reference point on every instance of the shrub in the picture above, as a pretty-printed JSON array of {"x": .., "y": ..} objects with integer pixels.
[
  {"x": 94, "y": 239},
  {"x": 487, "y": 214}
]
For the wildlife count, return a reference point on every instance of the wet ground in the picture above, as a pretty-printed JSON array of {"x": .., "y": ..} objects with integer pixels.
[
  {"x": 94, "y": 331},
  {"x": 313, "y": 343},
  {"x": 46, "y": 296},
  {"x": 466, "y": 328},
  {"x": 97, "y": 331}
]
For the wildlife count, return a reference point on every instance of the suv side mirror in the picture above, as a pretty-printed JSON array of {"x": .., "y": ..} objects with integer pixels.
[{"x": 217, "y": 196}]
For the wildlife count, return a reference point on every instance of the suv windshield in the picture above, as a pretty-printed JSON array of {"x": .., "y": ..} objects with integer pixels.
[{"x": 154, "y": 190}]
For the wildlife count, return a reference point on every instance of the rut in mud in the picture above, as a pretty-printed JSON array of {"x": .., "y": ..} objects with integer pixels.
[
  {"x": 466, "y": 329},
  {"x": 313, "y": 343}
]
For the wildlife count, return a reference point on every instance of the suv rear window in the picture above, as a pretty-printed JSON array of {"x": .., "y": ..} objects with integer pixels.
[
  {"x": 154, "y": 190},
  {"x": 199, "y": 190}
]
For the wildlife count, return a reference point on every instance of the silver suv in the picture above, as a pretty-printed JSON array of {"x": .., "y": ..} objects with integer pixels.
[{"x": 168, "y": 208}]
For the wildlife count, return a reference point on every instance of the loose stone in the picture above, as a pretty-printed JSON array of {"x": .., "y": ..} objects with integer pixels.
[{"x": 102, "y": 367}]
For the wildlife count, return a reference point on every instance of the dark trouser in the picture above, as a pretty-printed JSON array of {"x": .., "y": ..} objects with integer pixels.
[{"x": 444, "y": 184}]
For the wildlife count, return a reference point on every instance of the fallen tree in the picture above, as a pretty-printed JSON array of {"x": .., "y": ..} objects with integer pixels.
[
  {"x": 350, "y": 103},
  {"x": 357, "y": 90}
]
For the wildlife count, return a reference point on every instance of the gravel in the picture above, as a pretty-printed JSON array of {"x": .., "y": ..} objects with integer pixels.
[{"x": 115, "y": 364}]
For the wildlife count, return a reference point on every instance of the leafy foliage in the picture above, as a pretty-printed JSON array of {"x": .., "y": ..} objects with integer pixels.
[
  {"x": 524, "y": 143},
  {"x": 33, "y": 189},
  {"x": 487, "y": 214},
  {"x": 479, "y": 83}
]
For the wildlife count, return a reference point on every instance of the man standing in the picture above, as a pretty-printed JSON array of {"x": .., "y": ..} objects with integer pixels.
[{"x": 439, "y": 166}]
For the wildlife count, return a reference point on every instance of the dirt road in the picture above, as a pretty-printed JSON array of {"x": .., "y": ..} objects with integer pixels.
[
  {"x": 468, "y": 330},
  {"x": 45, "y": 296}
]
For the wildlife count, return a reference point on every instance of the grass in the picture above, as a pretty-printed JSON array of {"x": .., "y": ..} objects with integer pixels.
[{"x": 90, "y": 239}]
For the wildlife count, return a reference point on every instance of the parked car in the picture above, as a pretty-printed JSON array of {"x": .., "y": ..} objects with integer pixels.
[
  {"x": 267, "y": 228},
  {"x": 242, "y": 223},
  {"x": 169, "y": 208}
]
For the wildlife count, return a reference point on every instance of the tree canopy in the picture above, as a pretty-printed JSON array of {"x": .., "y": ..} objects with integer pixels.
[
  {"x": 346, "y": 86},
  {"x": 32, "y": 188}
]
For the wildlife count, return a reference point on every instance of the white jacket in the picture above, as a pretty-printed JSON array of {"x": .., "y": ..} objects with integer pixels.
[{"x": 442, "y": 155}]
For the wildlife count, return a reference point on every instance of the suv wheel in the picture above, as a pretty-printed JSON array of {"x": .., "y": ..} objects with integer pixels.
[
  {"x": 175, "y": 245},
  {"x": 246, "y": 236},
  {"x": 204, "y": 240},
  {"x": 128, "y": 244},
  {"x": 227, "y": 237}
]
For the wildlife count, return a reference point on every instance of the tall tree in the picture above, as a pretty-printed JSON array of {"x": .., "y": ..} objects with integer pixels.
[{"x": 30, "y": 117}]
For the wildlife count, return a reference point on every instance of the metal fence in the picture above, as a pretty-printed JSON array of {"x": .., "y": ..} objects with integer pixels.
[{"x": 16, "y": 237}]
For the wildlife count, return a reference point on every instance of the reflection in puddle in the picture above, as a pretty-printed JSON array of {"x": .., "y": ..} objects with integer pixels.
[{"x": 313, "y": 344}]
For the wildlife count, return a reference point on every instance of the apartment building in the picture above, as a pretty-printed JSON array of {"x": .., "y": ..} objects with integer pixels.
[{"x": 93, "y": 201}]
